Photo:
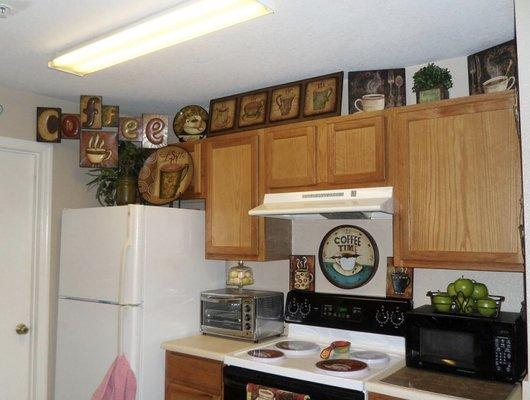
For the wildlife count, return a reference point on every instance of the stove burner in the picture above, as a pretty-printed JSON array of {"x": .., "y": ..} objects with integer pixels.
[
  {"x": 342, "y": 368},
  {"x": 298, "y": 347},
  {"x": 371, "y": 357},
  {"x": 266, "y": 355}
]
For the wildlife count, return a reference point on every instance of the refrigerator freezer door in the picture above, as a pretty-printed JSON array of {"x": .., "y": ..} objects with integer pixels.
[
  {"x": 87, "y": 344},
  {"x": 101, "y": 247},
  {"x": 176, "y": 271}
]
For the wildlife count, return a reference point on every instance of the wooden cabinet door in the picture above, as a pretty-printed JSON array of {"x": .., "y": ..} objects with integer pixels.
[
  {"x": 356, "y": 150},
  {"x": 289, "y": 155},
  {"x": 196, "y": 190},
  {"x": 179, "y": 392},
  {"x": 458, "y": 192},
  {"x": 232, "y": 171},
  {"x": 377, "y": 396}
]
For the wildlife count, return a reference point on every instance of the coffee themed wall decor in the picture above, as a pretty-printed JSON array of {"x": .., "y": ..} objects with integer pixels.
[
  {"x": 110, "y": 116},
  {"x": 348, "y": 256},
  {"x": 376, "y": 90},
  {"x": 48, "y": 124},
  {"x": 130, "y": 129},
  {"x": 98, "y": 149},
  {"x": 284, "y": 103},
  {"x": 155, "y": 130},
  {"x": 190, "y": 123},
  {"x": 223, "y": 115},
  {"x": 90, "y": 111},
  {"x": 70, "y": 126},
  {"x": 166, "y": 174},
  {"x": 399, "y": 281},
  {"x": 323, "y": 95},
  {"x": 302, "y": 273},
  {"x": 253, "y": 109},
  {"x": 493, "y": 69}
]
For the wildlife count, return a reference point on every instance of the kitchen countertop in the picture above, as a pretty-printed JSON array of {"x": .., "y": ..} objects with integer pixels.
[
  {"x": 417, "y": 384},
  {"x": 208, "y": 346}
]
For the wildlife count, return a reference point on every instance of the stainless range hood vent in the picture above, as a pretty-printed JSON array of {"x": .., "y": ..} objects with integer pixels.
[{"x": 365, "y": 203}]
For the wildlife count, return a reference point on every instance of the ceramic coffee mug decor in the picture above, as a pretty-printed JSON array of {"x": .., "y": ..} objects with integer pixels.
[
  {"x": 399, "y": 281},
  {"x": 370, "y": 102},
  {"x": 499, "y": 84}
]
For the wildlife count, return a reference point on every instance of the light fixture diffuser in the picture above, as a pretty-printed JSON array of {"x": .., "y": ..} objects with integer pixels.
[{"x": 185, "y": 22}]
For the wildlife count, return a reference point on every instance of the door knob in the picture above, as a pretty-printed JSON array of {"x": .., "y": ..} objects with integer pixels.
[{"x": 22, "y": 329}]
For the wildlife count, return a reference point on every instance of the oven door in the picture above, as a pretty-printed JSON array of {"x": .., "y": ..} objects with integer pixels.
[
  {"x": 222, "y": 315},
  {"x": 236, "y": 380}
]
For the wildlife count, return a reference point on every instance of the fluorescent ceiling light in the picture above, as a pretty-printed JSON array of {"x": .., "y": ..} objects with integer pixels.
[{"x": 185, "y": 22}]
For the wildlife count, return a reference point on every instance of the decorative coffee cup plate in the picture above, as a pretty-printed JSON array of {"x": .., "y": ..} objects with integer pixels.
[
  {"x": 370, "y": 357},
  {"x": 266, "y": 355},
  {"x": 298, "y": 348},
  {"x": 342, "y": 368},
  {"x": 190, "y": 123}
]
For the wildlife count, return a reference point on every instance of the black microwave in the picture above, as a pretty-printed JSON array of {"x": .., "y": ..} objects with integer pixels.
[{"x": 480, "y": 347}]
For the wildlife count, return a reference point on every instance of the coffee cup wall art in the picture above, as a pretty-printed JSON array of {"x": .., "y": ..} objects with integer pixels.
[
  {"x": 190, "y": 123},
  {"x": 98, "y": 149},
  {"x": 348, "y": 256},
  {"x": 90, "y": 111},
  {"x": 376, "y": 90},
  {"x": 494, "y": 69},
  {"x": 306, "y": 99},
  {"x": 399, "y": 281},
  {"x": 302, "y": 272},
  {"x": 165, "y": 175}
]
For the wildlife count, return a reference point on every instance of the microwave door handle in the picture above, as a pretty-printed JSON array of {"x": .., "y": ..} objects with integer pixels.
[{"x": 220, "y": 300}]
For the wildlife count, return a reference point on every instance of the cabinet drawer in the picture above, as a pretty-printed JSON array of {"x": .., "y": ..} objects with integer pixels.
[
  {"x": 177, "y": 392},
  {"x": 199, "y": 373}
]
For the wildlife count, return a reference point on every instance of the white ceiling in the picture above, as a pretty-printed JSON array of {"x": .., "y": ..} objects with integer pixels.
[{"x": 303, "y": 38}]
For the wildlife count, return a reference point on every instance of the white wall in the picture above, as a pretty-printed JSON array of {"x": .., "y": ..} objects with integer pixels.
[
  {"x": 522, "y": 16},
  {"x": 68, "y": 190}
]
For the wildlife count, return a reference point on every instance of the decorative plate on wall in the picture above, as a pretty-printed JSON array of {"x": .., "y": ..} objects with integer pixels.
[
  {"x": 166, "y": 174},
  {"x": 190, "y": 123},
  {"x": 348, "y": 256}
]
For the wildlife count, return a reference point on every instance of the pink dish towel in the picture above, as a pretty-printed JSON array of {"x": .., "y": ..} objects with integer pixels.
[{"x": 119, "y": 382}]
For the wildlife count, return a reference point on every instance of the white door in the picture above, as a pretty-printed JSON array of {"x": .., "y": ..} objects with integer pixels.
[
  {"x": 24, "y": 268},
  {"x": 87, "y": 344}
]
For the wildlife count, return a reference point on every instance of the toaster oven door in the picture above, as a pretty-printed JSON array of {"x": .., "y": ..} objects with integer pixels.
[{"x": 223, "y": 315}]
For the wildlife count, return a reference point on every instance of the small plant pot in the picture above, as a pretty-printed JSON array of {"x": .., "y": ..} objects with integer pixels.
[
  {"x": 126, "y": 191},
  {"x": 435, "y": 94}
]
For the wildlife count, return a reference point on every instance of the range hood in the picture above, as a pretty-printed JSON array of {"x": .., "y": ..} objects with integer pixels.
[{"x": 366, "y": 203}]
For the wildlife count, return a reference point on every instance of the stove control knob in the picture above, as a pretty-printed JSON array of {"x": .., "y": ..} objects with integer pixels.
[
  {"x": 305, "y": 309},
  {"x": 382, "y": 316},
  {"x": 397, "y": 318},
  {"x": 293, "y": 308}
]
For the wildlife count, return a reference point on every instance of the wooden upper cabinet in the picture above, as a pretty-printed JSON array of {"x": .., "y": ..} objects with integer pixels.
[
  {"x": 197, "y": 187},
  {"x": 458, "y": 195},
  {"x": 356, "y": 150},
  {"x": 232, "y": 171},
  {"x": 289, "y": 155}
]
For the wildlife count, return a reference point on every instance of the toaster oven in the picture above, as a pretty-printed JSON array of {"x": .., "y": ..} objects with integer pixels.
[{"x": 244, "y": 314}]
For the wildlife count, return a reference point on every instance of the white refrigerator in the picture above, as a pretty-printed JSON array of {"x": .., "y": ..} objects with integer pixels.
[{"x": 134, "y": 269}]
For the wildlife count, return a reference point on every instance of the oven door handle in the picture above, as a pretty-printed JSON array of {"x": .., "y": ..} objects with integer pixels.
[{"x": 220, "y": 300}]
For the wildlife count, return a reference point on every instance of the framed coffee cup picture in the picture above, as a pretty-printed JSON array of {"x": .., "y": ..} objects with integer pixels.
[
  {"x": 98, "y": 149},
  {"x": 302, "y": 273},
  {"x": 284, "y": 103},
  {"x": 323, "y": 95},
  {"x": 223, "y": 114},
  {"x": 253, "y": 109},
  {"x": 399, "y": 281}
]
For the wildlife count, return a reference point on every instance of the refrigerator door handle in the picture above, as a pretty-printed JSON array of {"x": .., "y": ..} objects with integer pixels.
[{"x": 123, "y": 267}]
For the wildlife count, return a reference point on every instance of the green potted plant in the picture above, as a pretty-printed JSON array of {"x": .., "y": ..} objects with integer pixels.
[
  {"x": 118, "y": 185},
  {"x": 432, "y": 83}
]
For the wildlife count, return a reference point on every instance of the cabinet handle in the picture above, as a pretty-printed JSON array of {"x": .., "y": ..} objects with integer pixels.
[{"x": 22, "y": 329}]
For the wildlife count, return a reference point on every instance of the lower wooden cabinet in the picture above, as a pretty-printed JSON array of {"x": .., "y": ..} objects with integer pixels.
[
  {"x": 193, "y": 378},
  {"x": 377, "y": 396}
]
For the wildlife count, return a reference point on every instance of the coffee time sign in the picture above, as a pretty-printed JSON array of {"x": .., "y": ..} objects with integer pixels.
[{"x": 348, "y": 256}]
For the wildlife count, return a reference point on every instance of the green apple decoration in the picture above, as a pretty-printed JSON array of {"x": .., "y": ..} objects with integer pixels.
[
  {"x": 487, "y": 307},
  {"x": 465, "y": 286},
  {"x": 480, "y": 291},
  {"x": 451, "y": 289},
  {"x": 442, "y": 302},
  {"x": 469, "y": 306}
]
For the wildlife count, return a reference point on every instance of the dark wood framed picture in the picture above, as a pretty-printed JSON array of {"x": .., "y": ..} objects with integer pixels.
[
  {"x": 399, "y": 281},
  {"x": 253, "y": 109},
  {"x": 48, "y": 124},
  {"x": 493, "y": 69},
  {"x": 110, "y": 116},
  {"x": 323, "y": 95},
  {"x": 90, "y": 111},
  {"x": 284, "y": 103},
  {"x": 223, "y": 114},
  {"x": 302, "y": 273},
  {"x": 70, "y": 126},
  {"x": 376, "y": 90},
  {"x": 130, "y": 129},
  {"x": 98, "y": 149},
  {"x": 155, "y": 130}
]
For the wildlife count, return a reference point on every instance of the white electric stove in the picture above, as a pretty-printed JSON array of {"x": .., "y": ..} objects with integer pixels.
[{"x": 373, "y": 326}]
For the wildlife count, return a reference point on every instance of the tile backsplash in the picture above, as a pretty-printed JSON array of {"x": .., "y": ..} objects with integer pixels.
[{"x": 306, "y": 238}]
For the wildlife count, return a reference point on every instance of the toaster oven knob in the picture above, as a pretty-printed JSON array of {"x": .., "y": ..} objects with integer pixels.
[
  {"x": 247, "y": 317},
  {"x": 247, "y": 308},
  {"x": 248, "y": 326}
]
